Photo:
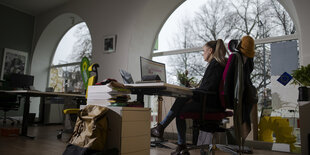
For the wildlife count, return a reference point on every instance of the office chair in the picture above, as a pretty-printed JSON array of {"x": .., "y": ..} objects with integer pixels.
[
  {"x": 70, "y": 117},
  {"x": 71, "y": 113},
  {"x": 9, "y": 102},
  {"x": 211, "y": 121},
  {"x": 208, "y": 122}
]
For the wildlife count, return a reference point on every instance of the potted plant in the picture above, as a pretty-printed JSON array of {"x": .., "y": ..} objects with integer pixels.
[
  {"x": 302, "y": 78},
  {"x": 185, "y": 80}
]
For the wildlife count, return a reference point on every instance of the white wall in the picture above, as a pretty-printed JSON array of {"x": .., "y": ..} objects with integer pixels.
[
  {"x": 302, "y": 10},
  {"x": 135, "y": 22},
  {"x": 46, "y": 46},
  {"x": 44, "y": 51}
]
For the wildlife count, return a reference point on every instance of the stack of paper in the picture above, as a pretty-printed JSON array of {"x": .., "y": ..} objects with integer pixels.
[{"x": 112, "y": 93}]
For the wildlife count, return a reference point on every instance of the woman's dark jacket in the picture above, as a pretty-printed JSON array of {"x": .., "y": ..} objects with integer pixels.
[{"x": 210, "y": 82}]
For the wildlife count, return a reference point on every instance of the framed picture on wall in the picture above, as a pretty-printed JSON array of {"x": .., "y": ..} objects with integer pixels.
[
  {"x": 109, "y": 44},
  {"x": 14, "y": 61}
]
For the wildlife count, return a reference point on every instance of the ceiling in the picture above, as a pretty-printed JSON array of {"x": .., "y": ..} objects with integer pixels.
[{"x": 33, "y": 7}]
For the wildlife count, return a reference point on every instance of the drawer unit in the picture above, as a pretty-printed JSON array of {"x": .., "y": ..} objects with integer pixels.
[{"x": 129, "y": 130}]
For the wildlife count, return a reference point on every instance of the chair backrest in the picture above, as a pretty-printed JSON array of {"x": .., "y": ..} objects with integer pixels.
[
  {"x": 227, "y": 87},
  {"x": 8, "y": 102},
  {"x": 223, "y": 101},
  {"x": 232, "y": 92}
]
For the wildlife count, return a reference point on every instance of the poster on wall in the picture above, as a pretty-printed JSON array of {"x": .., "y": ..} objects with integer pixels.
[
  {"x": 109, "y": 43},
  {"x": 14, "y": 61}
]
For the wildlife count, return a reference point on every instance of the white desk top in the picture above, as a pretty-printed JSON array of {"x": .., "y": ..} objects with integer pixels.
[
  {"x": 40, "y": 93},
  {"x": 174, "y": 89},
  {"x": 157, "y": 84}
]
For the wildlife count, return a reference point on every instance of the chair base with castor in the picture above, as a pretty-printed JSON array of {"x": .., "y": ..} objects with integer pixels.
[
  {"x": 70, "y": 119},
  {"x": 214, "y": 127},
  {"x": 5, "y": 118},
  {"x": 9, "y": 102},
  {"x": 206, "y": 149}
]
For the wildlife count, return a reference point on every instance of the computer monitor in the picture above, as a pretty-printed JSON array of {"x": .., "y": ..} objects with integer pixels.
[
  {"x": 152, "y": 68},
  {"x": 19, "y": 80}
]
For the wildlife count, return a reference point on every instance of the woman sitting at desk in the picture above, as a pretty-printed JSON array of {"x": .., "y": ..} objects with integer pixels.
[{"x": 214, "y": 53}]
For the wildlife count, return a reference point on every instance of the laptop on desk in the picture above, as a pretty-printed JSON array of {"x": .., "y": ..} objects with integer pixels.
[
  {"x": 127, "y": 78},
  {"x": 151, "y": 72}
]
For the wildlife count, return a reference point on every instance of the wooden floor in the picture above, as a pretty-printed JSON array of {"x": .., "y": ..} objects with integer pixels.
[{"x": 46, "y": 143}]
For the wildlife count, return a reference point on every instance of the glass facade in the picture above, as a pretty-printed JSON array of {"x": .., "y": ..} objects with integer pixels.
[
  {"x": 65, "y": 73},
  {"x": 191, "y": 62},
  {"x": 275, "y": 99},
  {"x": 66, "y": 79}
]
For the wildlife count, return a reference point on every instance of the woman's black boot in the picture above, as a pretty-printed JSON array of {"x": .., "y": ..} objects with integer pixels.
[
  {"x": 180, "y": 150},
  {"x": 157, "y": 131}
]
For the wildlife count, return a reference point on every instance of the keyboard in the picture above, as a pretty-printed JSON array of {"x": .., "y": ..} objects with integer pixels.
[{"x": 151, "y": 81}]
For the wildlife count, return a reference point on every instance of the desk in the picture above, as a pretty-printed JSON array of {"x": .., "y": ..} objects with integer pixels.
[
  {"x": 31, "y": 93},
  {"x": 162, "y": 89},
  {"x": 130, "y": 126}
]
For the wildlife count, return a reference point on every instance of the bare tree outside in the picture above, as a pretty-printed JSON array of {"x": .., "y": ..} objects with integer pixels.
[
  {"x": 211, "y": 22},
  {"x": 219, "y": 19},
  {"x": 192, "y": 62},
  {"x": 83, "y": 46},
  {"x": 214, "y": 21},
  {"x": 249, "y": 14},
  {"x": 283, "y": 19}
]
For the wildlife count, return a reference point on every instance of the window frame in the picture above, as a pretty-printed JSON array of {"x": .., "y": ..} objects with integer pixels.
[{"x": 197, "y": 49}]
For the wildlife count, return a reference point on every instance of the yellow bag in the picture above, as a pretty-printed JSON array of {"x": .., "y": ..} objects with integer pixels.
[{"x": 91, "y": 128}]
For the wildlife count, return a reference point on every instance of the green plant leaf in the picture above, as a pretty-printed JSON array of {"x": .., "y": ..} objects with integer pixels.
[{"x": 302, "y": 76}]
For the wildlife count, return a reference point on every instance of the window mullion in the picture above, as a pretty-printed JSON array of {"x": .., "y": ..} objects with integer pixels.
[
  {"x": 196, "y": 49},
  {"x": 65, "y": 65}
]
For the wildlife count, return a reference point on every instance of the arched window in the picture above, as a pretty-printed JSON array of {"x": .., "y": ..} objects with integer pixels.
[
  {"x": 195, "y": 22},
  {"x": 65, "y": 73}
]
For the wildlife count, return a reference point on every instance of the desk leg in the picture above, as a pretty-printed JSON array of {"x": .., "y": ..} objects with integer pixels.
[
  {"x": 159, "y": 110},
  {"x": 42, "y": 111},
  {"x": 25, "y": 117},
  {"x": 140, "y": 98}
]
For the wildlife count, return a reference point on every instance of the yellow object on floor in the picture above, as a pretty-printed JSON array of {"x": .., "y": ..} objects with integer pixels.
[
  {"x": 265, "y": 132},
  {"x": 279, "y": 127}
]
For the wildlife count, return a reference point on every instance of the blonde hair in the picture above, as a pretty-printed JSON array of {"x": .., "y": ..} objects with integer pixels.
[{"x": 219, "y": 51}]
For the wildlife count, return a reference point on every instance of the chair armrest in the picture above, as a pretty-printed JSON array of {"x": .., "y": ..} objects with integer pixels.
[
  {"x": 199, "y": 94},
  {"x": 202, "y": 95},
  {"x": 204, "y": 92}
]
